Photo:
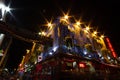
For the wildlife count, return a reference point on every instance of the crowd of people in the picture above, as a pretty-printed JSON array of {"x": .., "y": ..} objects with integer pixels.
[{"x": 4, "y": 75}]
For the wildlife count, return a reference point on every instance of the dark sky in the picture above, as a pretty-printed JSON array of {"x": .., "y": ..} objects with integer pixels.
[{"x": 104, "y": 15}]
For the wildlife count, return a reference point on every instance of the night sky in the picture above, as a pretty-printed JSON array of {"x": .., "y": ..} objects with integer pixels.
[{"x": 103, "y": 15}]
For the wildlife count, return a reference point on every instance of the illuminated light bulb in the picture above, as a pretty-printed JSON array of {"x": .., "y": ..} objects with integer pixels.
[
  {"x": 85, "y": 52},
  {"x": 49, "y": 24},
  {"x": 7, "y": 9},
  {"x": 102, "y": 36},
  {"x": 66, "y": 16},
  {"x": 87, "y": 28},
  {"x": 95, "y": 32},
  {"x": 39, "y": 33},
  {"x": 78, "y": 23},
  {"x": 43, "y": 33},
  {"x": 50, "y": 53}
]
